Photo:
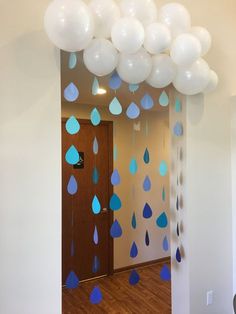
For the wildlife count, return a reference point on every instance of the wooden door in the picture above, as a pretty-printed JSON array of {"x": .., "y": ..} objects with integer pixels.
[{"x": 78, "y": 220}]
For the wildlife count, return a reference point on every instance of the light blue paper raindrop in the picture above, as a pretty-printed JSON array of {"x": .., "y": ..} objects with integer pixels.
[
  {"x": 178, "y": 255},
  {"x": 95, "y": 235},
  {"x": 162, "y": 221},
  {"x": 95, "y": 175},
  {"x": 115, "y": 81},
  {"x": 146, "y": 157},
  {"x": 72, "y": 156},
  {"x": 96, "y": 295},
  {"x": 147, "y": 211},
  {"x": 72, "y": 125},
  {"x": 96, "y": 265},
  {"x": 95, "y": 87},
  {"x": 115, "y": 178},
  {"x": 134, "y": 222},
  {"x": 147, "y": 184},
  {"x": 164, "y": 99},
  {"x": 163, "y": 168},
  {"x": 116, "y": 231},
  {"x": 147, "y": 240},
  {"x": 72, "y": 186},
  {"x": 178, "y": 106},
  {"x": 95, "y": 146},
  {"x": 133, "y": 167},
  {"x": 72, "y": 60},
  {"x": 115, "y": 107},
  {"x": 165, "y": 244},
  {"x": 115, "y": 202},
  {"x": 72, "y": 281},
  {"x": 133, "y": 111},
  {"x": 96, "y": 206},
  {"x": 147, "y": 102},
  {"x": 115, "y": 153},
  {"x": 133, "y": 88},
  {"x": 72, "y": 248},
  {"x": 134, "y": 277},
  {"x": 71, "y": 92},
  {"x": 95, "y": 117},
  {"x": 178, "y": 129},
  {"x": 133, "y": 250},
  {"x": 165, "y": 273}
]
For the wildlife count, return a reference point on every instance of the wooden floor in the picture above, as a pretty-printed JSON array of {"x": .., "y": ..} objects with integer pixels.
[{"x": 150, "y": 295}]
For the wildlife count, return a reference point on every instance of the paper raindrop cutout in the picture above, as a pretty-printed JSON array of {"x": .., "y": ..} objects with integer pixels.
[
  {"x": 178, "y": 129},
  {"x": 147, "y": 102},
  {"x": 147, "y": 184},
  {"x": 147, "y": 240},
  {"x": 95, "y": 235},
  {"x": 115, "y": 178},
  {"x": 165, "y": 273},
  {"x": 115, "y": 81},
  {"x": 115, "y": 202},
  {"x": 162, "y": 221},
  {"x": 72, "y": 186},
  {"x": 72, "y": 60},
  {"x": 134, "y": 222},
  {"x": 134, "y": 277},
  {"x": 163, "y": 168},
  {"x": 133, "y": 167},
  {"x": 96, "y": 296},
  {"x": 95, "y": 87},
  {"x": 95, "y": 146},
  {"x": 71, "y": 92},
  {"x": 146, "y": 157},
  {"x": 165, "y": 244},
  {"x": 72, "y": 125},
  {"x": 164, "y": 99},
  {"x": 147, "y": 211},
  {"x": 96, "y": 265},
  {"x": 95, "y": 175},
  {"x": 96, "y": 206},
  {"x": 95, "y": 117},
  {"x": 72, "y": 281},
  {"x": 115, "y": 107},
  {"x": 133, "y": 88},
  {"x": 178, "y": 106},
  {"x": 178, "y": 255},
  {"x": 72, "y": 156},
  {"x": 133, "y": 111},
  {"x": 116, "y": 231},
  {"x": 133, "y": 250}
]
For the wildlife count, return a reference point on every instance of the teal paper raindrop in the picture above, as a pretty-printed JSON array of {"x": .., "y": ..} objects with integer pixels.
[
  {"x": 133, "y": 111},
  {"x": 95, "y": 146},
  {"x": 178, "y": 106},
  {"x": 163, "y": 196},
  {"x": 178, "y": 255},
  {"x": 147, "y": 240},
  {"x": 147, "y": 184},
  {"x": 72, "y": 249},
  {"x": 177, "y": 230},
  {"x": 95, "y": 175},
  {"x": 165, "y": 244},
  {"x": 133, "y": 88},
  {"x": 95, "y": 117},
  {"x": 134, "y": 277},
  {"x": 164, "y": 99},
  {"x": 116, "y": 231},
  {"x": 115, "y": 178},
  {"x": 72, "y": 281},
  {"x": 115, "y": 81},
  {"x": 134, "y": 222},
  {"x": 96, "y": 206},
  {"x": 163, "y": 168},
  {"x": 178, "y": 129},
  {"x": 115, "y": 107},
  {"x": 133, "y": 167},
  {"x": 165, "y": 273},
  {"x": 71, "y": 92},
  {"x": 146, "y": 157},
  {"x": 95, "y": 235},
  {"x": 115, "y": 153},
  {"x": 72, "y": 186},
  {"x": 72, "y": 156},
  {"x": 95, "y": 87},
  {"x": 96, "y": 265},
  {"x": 72, "y": 60},
  {"x": 72, "y": 125},
  {"x": 133, "y": 250},
  {"x": 96, "y": 296},
  {"x": 162, "y": 221},
  {"x": 115, "y": 202},
  {"x": 147, "y": 102},
  {"x": 147, "y": 211}
]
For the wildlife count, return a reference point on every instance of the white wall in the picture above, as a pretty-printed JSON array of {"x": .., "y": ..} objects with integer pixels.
[{"x": 30, "y": 209}]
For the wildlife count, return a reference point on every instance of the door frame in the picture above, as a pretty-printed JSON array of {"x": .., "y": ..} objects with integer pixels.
[{"x": 109, "y": 124}]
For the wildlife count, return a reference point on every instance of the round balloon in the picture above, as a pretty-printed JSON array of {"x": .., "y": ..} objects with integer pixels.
[
  {"x": 204, "y": 37},
  {"x": 134, "y": 68},
  {"x": 105, "y": 13},
  {"x": 213, "y": 82},
  {"x": 185, "y": 50},
  {"x": 163, "y": 71},
  {"x": 194, "y": 79},
  {"x": 143, "y": 10},
  {"x": 127, "y": 35},
  {"x": 69, "y": 24},
  {"x": 100, "y": 57},
  {"x": 176, "y": 17},
  {"x": 157, "y": 38}
]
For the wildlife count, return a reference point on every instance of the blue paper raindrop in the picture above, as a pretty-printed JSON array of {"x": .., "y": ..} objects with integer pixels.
[
  {"x": 96, "y": 206},
  {"x": 116, "y": 231},
  {"x": 147, "y": 211},
  {"x": 115, "y": 202},
  {"x": 96, "y": 295},
  {"x": 95, "y": 175},
  {"x": 95, "y": 235},
  {"x": 133, "y": 88},
  {"x": 115, "y": 107},
  {"x": 147, "y": 184},
  {"x": 178, "y": 106},
  {"x": 72, "y": 186},
  {"x": 72, "y": 125},
  {"x": 115, "y": 178},
  {"x": 165, "y": 244},
  {"x": 164, "y": 99},
  {"x": 162, "y": 221},
  {"x": 115, "y": 81},
  {"x": 178, "y": 255},
  {"x": 147, "y": 240},
  {"x": 72, "y": 60},
  {"x": 178, "y": 129},
  {"x": 72, "y": 248},
  {"x": 134, "y": 222},
  {"x": 133, "y": 111},
  {"x": 95, "y": 87},
  {"x": 95, "y": 117},
  {"x": 72, "y": 281},
  {"x": 165, "y": 273},
  {"x": 134, "y": 278},
  {"x": 72, "y": 156},
  {"x": 133, "y": 250},
  {"x": 96, "y": 265},
  {"x": 95, "y": 146},
  {"x": 71, "y": 92},
  {"x": 147, "y": 102},
  {"x": 133, "y": 167},
  {"x": 163, "y": 168},
  {"x": 146, "y": 157}
]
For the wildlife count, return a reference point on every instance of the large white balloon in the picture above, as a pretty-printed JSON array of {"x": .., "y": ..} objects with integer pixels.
[
  {"x": 69, "y": 24},
  {"x": 176, "y": 17},
  {"x": 157, "y": 38},
  {"x": 213, "y": 82},
  {"x": 163, "y": 71},
  {"x": 100, "y": 57},
  {"x": 143, "y": 10},
  {"x": 105, "y": 13},
  {"x": 127, "y": 35},
  {"x": 185, "y": 50},
  {"x": 204, "y": 37},
  {"x": 194, "y": 79},
  {"x": 134, "y": 68}
]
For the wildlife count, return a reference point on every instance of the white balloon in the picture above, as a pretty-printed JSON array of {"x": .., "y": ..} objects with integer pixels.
[
  {"x": 127, "y": 35},
  {"x": 69, "y": 24},
  {"x": 204, "y": 37},
  {"x": 192, "y": 80},
  {"x": 105, "y": 13},
  {"x": 176, "y": 17},
  {"x": 100, "y": 57},
  {"x": 134, "y": 68},
  {"x": 163, "y": 71},
  {"x": 185, "y": 50},
  {"x": 157, "y": 38},
  {"x": 143, "y": 10},
  {"x": 213, "y": 82}
]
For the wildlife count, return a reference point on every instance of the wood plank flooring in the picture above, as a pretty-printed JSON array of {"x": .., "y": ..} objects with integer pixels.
[{"x": 150, "y": 295}]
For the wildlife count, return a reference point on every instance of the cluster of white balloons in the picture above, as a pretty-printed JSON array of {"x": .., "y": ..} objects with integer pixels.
[{"x": 132, "y": 36}]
